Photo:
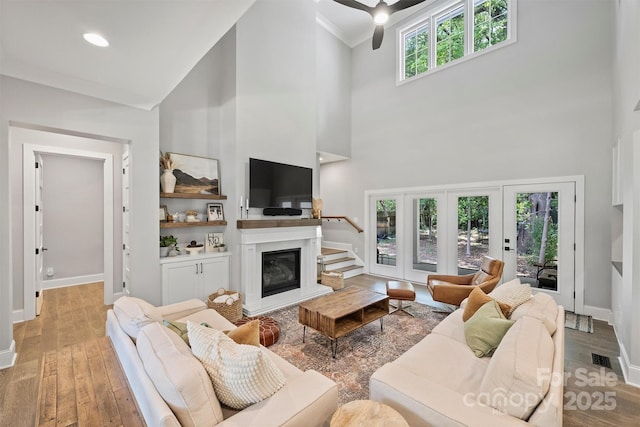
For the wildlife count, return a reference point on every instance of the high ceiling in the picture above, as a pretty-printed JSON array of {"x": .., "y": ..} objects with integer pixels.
[{"x": 153, "y": 43}]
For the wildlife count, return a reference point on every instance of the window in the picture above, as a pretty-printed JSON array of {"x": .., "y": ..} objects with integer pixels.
[
  {"x": 490, "y": 21},
  {"x": 455, "y": 30},
  {"x": 450, "y": 36},
  {"x": 416, "y": 51}
]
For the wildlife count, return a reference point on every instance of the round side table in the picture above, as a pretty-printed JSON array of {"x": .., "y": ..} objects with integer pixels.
[{"x": 367, "y": 413}]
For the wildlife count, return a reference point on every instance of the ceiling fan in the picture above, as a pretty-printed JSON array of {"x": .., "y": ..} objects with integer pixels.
[{"x": 380, "y": 14}]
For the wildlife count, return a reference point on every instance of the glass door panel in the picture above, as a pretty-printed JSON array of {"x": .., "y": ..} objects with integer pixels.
[
  {"x": 537, "y": 239},
  {"x": 386, "y": 247},
  {"x": 425, "y": 237},
  {"x": 473, "y": 232}
]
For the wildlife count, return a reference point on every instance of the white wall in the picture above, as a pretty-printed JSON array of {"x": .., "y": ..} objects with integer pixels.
[
  {"x": 333, "y": 62},
  {"x": 538, "y": 108},
  {"x": 26, "y": 102},
  {"x": 72, "y": 201}
]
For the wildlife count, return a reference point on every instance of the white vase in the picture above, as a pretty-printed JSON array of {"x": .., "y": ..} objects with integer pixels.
[
  {"x": 164, "y": 251},
  {"x": 167, "y": 181}
]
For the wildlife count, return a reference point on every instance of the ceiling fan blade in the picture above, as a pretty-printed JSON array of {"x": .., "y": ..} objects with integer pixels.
[
  {"x": 356, "y": 5},
  {"x": 377, "y": 36},
  {"x": 402, "y": 4}
]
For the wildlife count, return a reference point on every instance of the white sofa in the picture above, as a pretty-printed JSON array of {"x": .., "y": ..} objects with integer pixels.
[
  {"x": 440, "y": 382},
  {"x": 307, "y": 399}
]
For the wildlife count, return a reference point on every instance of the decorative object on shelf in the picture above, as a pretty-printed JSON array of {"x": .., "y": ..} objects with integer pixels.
[
  {"x": 215, "y": 212},
  {"x": 227, "y": 303},
  {"x": 192, "y": 216},
  {"x": 167, "y": 179},
  {"x": 222, "y": 247},
  {"x": 213, "y": 242},
  {"x": 167, "y": 244},
  {"x": 317, "y": 205},
  {"x": 194, "y": 248},
  {"x": 163, "y": 213},
  {"x": 195, "y": 175}
]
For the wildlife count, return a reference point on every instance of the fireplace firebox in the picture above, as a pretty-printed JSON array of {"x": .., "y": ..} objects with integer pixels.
[{"x": 280, "y": 271}]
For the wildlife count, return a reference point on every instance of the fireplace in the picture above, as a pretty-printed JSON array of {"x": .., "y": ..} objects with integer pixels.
[{"x": 280, "y": 271}]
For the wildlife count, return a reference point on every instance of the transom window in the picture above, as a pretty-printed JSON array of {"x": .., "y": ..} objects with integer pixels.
[{"x": 455, "y": 30}]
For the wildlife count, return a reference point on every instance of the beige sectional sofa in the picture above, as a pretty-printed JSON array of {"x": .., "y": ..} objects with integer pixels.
[
  {"x": 440, "y": 382},
  {"x": 168, "y": 382}
]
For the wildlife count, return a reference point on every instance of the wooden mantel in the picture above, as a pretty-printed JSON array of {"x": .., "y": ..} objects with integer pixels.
[{"x": 246, "y": 224}]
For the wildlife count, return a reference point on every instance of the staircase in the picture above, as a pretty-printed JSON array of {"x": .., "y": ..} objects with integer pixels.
[{"x": 339, "y": 260}]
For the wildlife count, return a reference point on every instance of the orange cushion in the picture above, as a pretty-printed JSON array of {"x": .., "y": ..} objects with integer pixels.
[
  {"x": 477, "y": 298},
  {"x": 249, "y": 333}
]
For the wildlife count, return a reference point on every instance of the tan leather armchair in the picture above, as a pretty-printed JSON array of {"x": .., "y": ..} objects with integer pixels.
[{"x": 454, "y": 289}]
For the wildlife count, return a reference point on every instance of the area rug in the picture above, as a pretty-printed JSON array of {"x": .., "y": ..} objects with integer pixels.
[
  {"x": 579, "y": 322},
  {"x": 359, "y": 353}
]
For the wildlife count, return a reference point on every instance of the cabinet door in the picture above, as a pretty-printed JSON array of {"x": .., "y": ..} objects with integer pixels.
[
  {"x": 215, "y": 275},
  {"x": 181, "y": 281}
]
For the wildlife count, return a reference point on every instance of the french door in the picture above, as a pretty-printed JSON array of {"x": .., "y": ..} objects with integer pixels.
[
  {"x": 539, "y": 238},
  {"x": 386, "y": 243}
]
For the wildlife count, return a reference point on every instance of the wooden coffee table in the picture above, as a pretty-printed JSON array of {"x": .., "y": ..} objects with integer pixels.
[{"x": 337, "y": 314}]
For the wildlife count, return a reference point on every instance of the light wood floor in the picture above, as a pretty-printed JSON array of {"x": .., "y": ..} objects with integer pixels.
[
  {"x": 65, "y": 358},
  {"x": 67, "y": 373}
]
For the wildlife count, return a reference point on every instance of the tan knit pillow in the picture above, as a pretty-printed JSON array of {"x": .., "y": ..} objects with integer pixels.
[
  {"x": 241, "y": 374},
  {"x": 249, "y": 333},
  {"x": 477, "y": 298}
]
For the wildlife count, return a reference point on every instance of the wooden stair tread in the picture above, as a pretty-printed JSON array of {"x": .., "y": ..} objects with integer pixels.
[
  {"x": 336, "y": 261},
  {"x": 331, "y": 251},
  {"x": 344, "y": 269}
]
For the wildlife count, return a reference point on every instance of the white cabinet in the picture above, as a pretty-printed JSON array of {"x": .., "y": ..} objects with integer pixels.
[{"x": 193, "y": 276}]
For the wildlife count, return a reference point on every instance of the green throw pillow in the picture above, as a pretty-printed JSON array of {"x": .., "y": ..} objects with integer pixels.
[
  {"x": 179, "y": 328},
  {"x": 485, "y": 329}
]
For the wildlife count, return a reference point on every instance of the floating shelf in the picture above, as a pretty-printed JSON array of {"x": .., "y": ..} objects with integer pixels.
[
  {"x": 192, "y": 196},
  {"x": 192, "y": 224},
  {"x": 274, "y": 223}
]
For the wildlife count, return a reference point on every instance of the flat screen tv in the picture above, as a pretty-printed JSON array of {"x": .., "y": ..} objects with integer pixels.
[{"x": 278, "y": 185}]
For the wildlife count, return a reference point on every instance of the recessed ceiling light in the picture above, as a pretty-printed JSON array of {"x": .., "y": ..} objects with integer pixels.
[{"x": 96, "y": 39}]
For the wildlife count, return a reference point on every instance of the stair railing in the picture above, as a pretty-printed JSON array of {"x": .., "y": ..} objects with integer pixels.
[{"x": 345, "y": 218}]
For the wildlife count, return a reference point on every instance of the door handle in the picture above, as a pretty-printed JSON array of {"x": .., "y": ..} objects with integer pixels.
[
  {"x": 197, "y": 268},
  {"x": 507, "y": 248},
  {"x": 201, "y": 268},
  {"x": 44, "y": 249}
]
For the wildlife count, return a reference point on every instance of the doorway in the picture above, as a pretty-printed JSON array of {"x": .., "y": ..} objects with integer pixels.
[
  {"x": 539, "y": 238},
  {"x": 30, "y": 228}
]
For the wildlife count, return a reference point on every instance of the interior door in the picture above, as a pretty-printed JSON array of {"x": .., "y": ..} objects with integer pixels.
[
  {"x": 385, "y": 247},
  {"x": 126, "y": 238},
  {"x": 539, "y": 238},
  {"x": 39, "y": 232}
]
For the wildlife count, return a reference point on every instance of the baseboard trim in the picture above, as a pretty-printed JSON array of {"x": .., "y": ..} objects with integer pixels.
[
  {"x": 72, "y": 281},
  {"x": 631, "y": 372},
  {"x": 8, "y": 356},
  {"x": 18, "y": 316},
  {"x": 598, "y": 313}
]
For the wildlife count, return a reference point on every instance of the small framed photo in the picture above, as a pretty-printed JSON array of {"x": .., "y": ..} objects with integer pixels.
[
  {"x": 163, "y": 213},
  {"x": 213, "y": 241},
  {"x": 215, "y": 212}
]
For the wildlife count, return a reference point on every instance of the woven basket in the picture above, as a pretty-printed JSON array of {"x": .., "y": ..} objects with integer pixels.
[
  {"x": 333, "y": 279},
  {"x": 231, "y": 309}
]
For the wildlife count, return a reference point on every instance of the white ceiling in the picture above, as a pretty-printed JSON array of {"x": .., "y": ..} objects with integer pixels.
[{"x": 153, "y": 43}]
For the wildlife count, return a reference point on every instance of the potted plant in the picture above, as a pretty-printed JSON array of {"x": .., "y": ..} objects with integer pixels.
[
  {"x": 166, "y": 244},
  {"x": 222, "y": 247}
]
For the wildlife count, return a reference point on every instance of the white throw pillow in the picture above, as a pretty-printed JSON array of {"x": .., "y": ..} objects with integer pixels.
[
  {"x": 178, "y": 376},
  {"x": 134, "y": 313},
  {"x": 512, "y": 293},
  {"x": 541, "y": 306},
  {"x": 519, "y": 373},
  {"x": 241, "y": 374}
]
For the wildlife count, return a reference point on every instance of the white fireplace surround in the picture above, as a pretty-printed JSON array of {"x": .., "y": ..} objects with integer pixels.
[{"x": 255, "y": 241}]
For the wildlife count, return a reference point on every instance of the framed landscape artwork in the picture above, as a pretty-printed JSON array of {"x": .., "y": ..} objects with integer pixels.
[{"x": 196, "y": 175}]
